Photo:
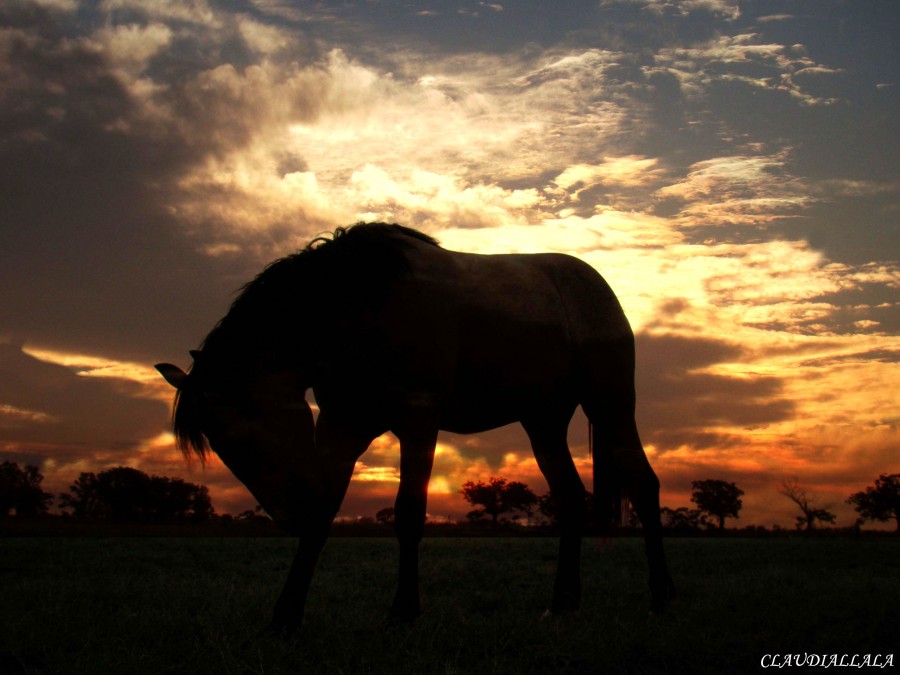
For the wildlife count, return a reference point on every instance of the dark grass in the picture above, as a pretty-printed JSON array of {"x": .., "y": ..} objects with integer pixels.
[{"x": 179, "y": 605}]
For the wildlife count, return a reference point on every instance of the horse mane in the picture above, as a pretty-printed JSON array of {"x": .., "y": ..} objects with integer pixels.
[
  {"x": 370, "y": 253},
  {"x": 353, "y": 264},
  {"x": 370, "y": 233}
]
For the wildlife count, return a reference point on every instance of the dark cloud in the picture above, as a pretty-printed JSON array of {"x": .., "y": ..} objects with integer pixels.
[
  {"x": 648, "y": 26},
  {"x": 678, "y": 403},
  {"x": 526, "y": 26},
  {"x": 469, "y": 25},
  {"x": 878, "y": 355},
  {"x": 852, "y": 229},
  {"x": 91, "y": 257}
]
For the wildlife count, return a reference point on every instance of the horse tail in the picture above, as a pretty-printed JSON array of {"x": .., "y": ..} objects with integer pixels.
[{"x": 610, "y": 497}]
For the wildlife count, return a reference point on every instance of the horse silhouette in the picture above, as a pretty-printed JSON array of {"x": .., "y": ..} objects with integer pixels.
[{"x": 394, "y": 333}]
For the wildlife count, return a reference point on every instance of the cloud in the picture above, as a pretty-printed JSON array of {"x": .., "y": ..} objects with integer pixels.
[
  {"x": 435, "y": 199},
  {"x": 130, "y": 48},
  {"x": 49, "y": 410},
  {"x": 774, "y": 18},
  {"x": 737, "y": 190},
  {"x": 628, "y": 171},
  {"x": 89, "y": 165},
  {"x": 683, "y": 6},
  {"x": 198, "y": 12},
  {"x": 682, "y": 403}
]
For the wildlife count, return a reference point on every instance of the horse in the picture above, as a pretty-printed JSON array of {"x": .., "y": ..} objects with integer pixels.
[{"x": 394, "y": 333}]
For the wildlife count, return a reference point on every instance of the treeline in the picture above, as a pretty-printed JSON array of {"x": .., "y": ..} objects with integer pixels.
[
  {"x": 121, "y": 494},
  {"x": 124, "y": 494},
  {"x": 499, "y": 501},
  {"x": 128, "y": 495}
]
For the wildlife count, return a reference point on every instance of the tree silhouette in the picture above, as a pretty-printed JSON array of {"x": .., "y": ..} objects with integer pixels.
[
  {"x": 127, "y": 494},
  {"x": 175, "y": 499},
  {"x": 498, "y": 496},
  {"x": 881, "y": 502},
  {"x": 120, "y": 494},
  {"x": 82, "y": 497},
  {"x": 20, "y": 489},
  {"x": 718, "y": 498},
  {"x": 798, "y": 494},
  {"x": 683, "y": 518},
  {"x": 255, "y": 515},
  {"x": 385, "y": 516},
  {"x": 548, "y": 507}
]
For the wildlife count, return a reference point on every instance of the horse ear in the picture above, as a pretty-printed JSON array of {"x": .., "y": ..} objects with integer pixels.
[{"x": 173, "y": 374}]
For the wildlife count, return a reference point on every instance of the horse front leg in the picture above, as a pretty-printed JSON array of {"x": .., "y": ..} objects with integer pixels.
[
  {"x": 337, "y": 452},
  {"x": 312, "y": 532},
  {"x": 287, "y": 614},
  {"x": 551, "y": 450},
  {"x": 416, "y": 460}
]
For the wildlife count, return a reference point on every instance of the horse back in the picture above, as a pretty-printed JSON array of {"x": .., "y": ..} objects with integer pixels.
[
  {"x": 496, "y": 331},
  {"x": 511, "y": 298}
]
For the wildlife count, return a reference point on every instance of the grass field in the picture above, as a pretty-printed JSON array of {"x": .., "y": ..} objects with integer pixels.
[{"x": 182, "y": 605}]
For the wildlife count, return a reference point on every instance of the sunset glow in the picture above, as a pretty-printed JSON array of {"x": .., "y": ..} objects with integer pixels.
[{"x": 732, "y": 173}]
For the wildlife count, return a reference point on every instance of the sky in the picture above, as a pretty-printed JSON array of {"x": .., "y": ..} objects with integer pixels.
[{"x": 731, "y": 168}]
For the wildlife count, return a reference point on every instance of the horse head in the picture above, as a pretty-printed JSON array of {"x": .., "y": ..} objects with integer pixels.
[{"x": 260, "y": 426}]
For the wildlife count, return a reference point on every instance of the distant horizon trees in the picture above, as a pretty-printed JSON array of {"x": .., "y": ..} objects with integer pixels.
[
  {"x": 793, "y": 490},
  {"x": 498, "y": 496},
  {"x": 715, "y": 500},
  {"x": 718, "y": 498},
  {"x": 255, "y": 515},
  {"x": 129, "y": 495},
  {"x": 385, "y": 516},
  {"x": 20, "y": 490},
  {"x": 548, "y": 508},
  {"x": 881, "y": 501},
  {"x": 684, "y": 518}
]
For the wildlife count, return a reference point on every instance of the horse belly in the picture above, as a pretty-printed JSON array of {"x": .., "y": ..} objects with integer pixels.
[
  {"x": 502, "y": 374},
  {"x": 489, "y": 337}
]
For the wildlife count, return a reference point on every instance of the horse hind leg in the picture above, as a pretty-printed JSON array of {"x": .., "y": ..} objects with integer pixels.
[
  {"x": 621, "y": 469},
  {"x": 551, "y": 450},
  {"x": 417, "y": 445}
]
